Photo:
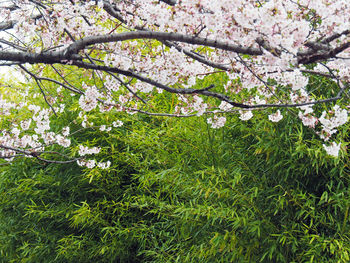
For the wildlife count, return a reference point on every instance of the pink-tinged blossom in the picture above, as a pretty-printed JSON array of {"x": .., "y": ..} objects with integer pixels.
[
  {"x": 308, "y": 120},
  {"x": 88, "y": 101},
  {"x": 258, "y": 100},
  {"x": 245, "y": 115},
  {"x": 283, "y": 25},
  {"x": 15, "y": 131},
  {"x": 198, "y": 105},
  {"x": 88, "y": 163},
  {"x": 84, "y": 150},
  {"x": 276, "y": 117},
  {"x": 26, "y": 124},
  {"x": 5, "y": 106},
  {"x": 42, "y": 126},
  {"x": 332, "y": 149},
  {"x": 296, "y": 79},
  {"x": 65, "y": 142},
  {"x": 307, "y": 117},
  {"x": 329, "y": 125},
  {"x": 49, "y": 137},
  {"x": 65, "y": 131},
  {"x": 34, "y": 108},
  {"x": 87, "y": 104},
  {"x": 25, "y": 140},
  {"x": 217, "y": 122},
  {"x": 81, "y": 162},
  {"x": 224, "y": 106}
]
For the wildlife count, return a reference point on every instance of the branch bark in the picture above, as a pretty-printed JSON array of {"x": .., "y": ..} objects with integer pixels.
[{"x": 75, "y": 47}]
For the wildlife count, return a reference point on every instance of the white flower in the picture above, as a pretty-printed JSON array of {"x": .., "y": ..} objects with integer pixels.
[
  {"x": 86, "y": 150},
  {"x": 15, "y": 131},
  {"x": 224, "y": 106},
  {"x": 276, "y": 117},
  {"x": 88, "y": 101},
  {"x": 81, "y": 162},
  {"x": 329, "y": 125},
  {"x": 245, "y": 115},
  {"x": 259, "y": 101},
  {"x": 308, "y": 120},
  {"x": 117, "y": 123},
  {"x": 34, "y": 108},
  {"x": 48, "y": 137},
  {"x": 217, "y": 122},
  {"x": 87, "y": 104},
  {"x": 103, "y": 165},
  {"x": 25, "y": 124},
  {"x": 90, "y": 164},
  {"x": 63, "y": 141},
  {"x": 65, "y": 131},
  {"x": 333, "y": 149}
]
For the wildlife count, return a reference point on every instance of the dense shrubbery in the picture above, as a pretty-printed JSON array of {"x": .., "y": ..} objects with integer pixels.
[{"x": 179, "y": 191}]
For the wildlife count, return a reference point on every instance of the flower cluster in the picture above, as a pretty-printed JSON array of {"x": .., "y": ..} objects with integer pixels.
[
  {"x": 117, "y": 123},
  {"x": 276, "y": 117},
  {"x": 84, "y": 150},
  {"x": 88, "y": 101},
  {"x": 329, "y": 125},
  {"x": 217, "y": 122},
  {"x": 332, "y": 149},
  {"x": 245, "y": 115},
  {"x": 92, "y": 163}
]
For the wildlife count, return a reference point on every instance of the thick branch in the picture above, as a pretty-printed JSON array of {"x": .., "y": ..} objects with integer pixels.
[
  {"x": 192, "y": 54},
  {"x": 312, "y": 56},
  {"x": 7, "y": 25},
  {"x": 160, "y": 36},
  {"x": 264, "y": 44},
  {"x": 170, "y": 2},
  {"x": 112, "y": 11},
  {"x": 335, "y": 36},
  {"x": 8, "y": 43},
  {"x": 34, "y": 58}
]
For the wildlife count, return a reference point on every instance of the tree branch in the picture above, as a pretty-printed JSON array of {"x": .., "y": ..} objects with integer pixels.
[
  {"x": 313, "y": 55},
  {"x": 75, "y": 47},
  {"x": 129, "y": 73},
  {"x": 170, "y": 2}
]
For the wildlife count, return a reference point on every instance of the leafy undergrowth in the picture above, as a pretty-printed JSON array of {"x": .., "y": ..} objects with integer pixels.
[{"x": 179, "y": 191}]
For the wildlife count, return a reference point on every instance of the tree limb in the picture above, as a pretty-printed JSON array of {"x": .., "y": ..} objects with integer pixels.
[{"x": 75, "y": 47}]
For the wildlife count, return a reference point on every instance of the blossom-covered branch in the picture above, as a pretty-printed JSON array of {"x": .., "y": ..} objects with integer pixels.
[{"x": 269, "y": 54}]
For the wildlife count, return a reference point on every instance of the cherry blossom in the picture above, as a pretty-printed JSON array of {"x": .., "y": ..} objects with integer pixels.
[
  {"x": 217, "y": 122},
  {"x": 267, "y": 54},
  {"x": 25, "y": 124},
  {"x": 88, "y": 101},
  {"x": 246, "y": 115},
  {"x": 330, "y": 124},
  {"x": 117, "y": 123},
  {"x": 332, "y": 149},
  {"x": 84, "y": 150},
  {"x": 276, "y": 117}
]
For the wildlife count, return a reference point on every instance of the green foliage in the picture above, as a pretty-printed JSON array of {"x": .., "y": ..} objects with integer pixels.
[{"x": 179, "y": 191}]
